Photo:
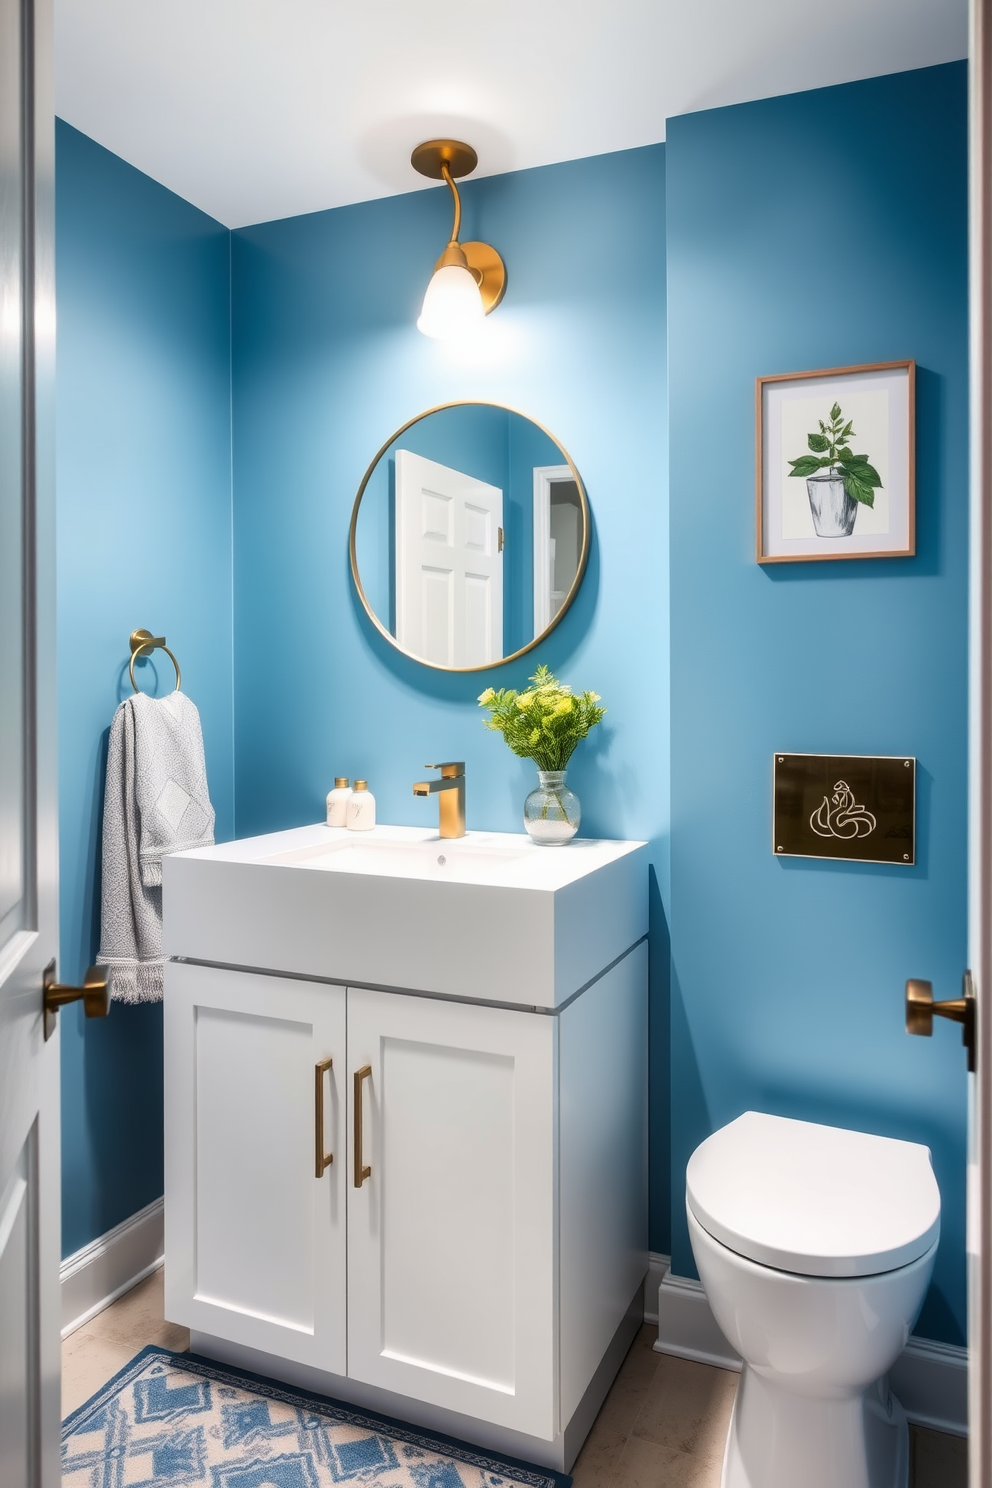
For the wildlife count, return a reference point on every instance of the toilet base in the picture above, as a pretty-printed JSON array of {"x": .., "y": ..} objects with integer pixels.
[{"x": 780, "y": 1439}]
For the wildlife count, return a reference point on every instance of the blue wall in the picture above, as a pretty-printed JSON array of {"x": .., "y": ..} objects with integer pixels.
[
  {"x": 327, "y": 362},
  {"x": 823, "y": 229},
  {"x": 144, "y": 539}
]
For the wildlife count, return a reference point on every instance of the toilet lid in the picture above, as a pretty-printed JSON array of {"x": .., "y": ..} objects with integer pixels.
[{"x": 815, "y": 1200}]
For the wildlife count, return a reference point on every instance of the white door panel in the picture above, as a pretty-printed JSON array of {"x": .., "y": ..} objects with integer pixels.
[
  {"x": 255, "y": 1244},
  {"x": 451, "y": 1236},
  {"x": 478, "y": 635},
  {"x": 437, "y": 613},
  {"x": 17, "y": 1241},
  {"x": 449, "y": 564},
  {"x": 426, "y": 1263},
  {"x": 254, "y": 1200}
]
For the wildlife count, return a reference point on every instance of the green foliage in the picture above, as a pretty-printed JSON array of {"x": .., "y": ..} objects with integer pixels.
[
  {"x": 832, "y": 451},
  {"x": 544, "y": 723}
]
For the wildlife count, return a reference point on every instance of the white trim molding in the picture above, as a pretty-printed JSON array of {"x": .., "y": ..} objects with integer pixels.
[
  {"x": 929, "y": 1379},
  {"x": 544, "y": 478},
  {"x": 658, "y": 1267},
  {"x": 111, "y": 1265},
  {"x": 687, "y": 1327}
]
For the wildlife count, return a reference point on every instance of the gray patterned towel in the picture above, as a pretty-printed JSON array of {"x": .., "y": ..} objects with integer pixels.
[{"x": 156, "y": 803}]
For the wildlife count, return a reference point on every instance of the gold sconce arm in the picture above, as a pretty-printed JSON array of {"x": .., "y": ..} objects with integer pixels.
[{"x": 456, "y": 225}]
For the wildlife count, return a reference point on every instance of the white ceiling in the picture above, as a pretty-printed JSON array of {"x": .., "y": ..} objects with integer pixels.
[{"x": 257, "y": 109}]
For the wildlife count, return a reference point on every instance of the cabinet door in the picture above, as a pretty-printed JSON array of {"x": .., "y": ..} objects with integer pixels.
[
  {"x": 255, "y": 1239},
  {"x": 451, "y": 1293}
]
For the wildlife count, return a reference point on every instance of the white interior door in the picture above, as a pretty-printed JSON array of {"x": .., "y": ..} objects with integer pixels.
[
  {"x": 255, "y": 1212},
  {"x": 29, "y": 1109},
  {"x": 980, "y": 784},
  {"x": 449, "y": 564},
  {"x": 451, "y": 1272}
]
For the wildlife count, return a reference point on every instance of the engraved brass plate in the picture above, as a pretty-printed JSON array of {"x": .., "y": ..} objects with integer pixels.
[{"x": 856, "y": 806}]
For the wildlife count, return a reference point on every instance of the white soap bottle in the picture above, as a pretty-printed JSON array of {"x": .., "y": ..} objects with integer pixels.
[
  {"x": 337, "y": 801},
  {"x": 360, "y": 810}
]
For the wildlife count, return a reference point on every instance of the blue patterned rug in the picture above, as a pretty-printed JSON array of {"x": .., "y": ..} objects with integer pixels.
[{"x": 168, "y": 1420}]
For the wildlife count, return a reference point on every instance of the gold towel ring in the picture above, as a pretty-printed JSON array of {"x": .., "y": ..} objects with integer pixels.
[{"x": 143, "y": 643}]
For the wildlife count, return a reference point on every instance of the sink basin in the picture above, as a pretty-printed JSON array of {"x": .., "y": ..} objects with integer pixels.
[
  {"x": 470, "y": 859},
  {"x": 401, "y": 907}
]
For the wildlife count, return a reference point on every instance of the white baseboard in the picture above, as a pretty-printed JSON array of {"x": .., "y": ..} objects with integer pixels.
[
  {"x": 658, "y": 1266},
  {"x": 687, "y": 1327},
  {"x": 110, "y": 1265},
  {"x": 929, "y": 1379}
]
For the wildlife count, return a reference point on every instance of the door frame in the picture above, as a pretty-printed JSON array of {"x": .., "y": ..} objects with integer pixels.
[
  {"x": 980, "y": 746},
  {"x": 30, "y": 1146},
  {"x": 545, "y": 477}
]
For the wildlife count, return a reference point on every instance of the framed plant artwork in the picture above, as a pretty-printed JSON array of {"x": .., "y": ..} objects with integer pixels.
[{"x": 836, "y": 463}]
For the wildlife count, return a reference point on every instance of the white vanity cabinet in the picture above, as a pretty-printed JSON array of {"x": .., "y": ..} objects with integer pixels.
[{"x": 471, "y": 1259}]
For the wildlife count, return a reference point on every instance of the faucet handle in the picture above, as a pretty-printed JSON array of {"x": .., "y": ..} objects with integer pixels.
[{"x": 450, "y": 769}]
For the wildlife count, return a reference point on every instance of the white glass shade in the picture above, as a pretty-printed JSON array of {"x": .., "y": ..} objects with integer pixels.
[{"x": 452, "y": 305}]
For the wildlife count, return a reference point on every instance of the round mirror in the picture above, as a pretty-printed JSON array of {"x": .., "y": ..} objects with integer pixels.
[{"x": 469, "y": 536}]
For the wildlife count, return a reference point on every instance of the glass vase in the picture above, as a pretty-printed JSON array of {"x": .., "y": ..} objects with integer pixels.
[{"x": 552, "y": 812}]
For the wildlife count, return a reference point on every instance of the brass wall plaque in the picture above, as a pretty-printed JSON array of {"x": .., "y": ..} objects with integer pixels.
[{"x": 857, "y": 806}]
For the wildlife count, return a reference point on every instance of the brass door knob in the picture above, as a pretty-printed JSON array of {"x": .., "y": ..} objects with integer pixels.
[
  {"x": 921, "y": 1011},
  {"x": 95, "y": 995}
]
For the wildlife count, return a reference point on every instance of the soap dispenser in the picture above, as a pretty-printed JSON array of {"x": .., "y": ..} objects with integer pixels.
[
  {"x": 337, "y": 802},
  {"x": 360, "y": 812}
]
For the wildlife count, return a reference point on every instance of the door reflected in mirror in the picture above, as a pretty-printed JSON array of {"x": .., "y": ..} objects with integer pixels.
[{"x": 469, "y": 536}]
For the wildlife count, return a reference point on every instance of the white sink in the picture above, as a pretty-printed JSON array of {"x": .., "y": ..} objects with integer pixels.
[
  {"x": 469, "y": 859},
  {"x": 400, "y": 907}
]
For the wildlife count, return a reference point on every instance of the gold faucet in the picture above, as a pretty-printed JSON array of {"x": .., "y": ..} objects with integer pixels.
[{"x": 451, "y": 789}]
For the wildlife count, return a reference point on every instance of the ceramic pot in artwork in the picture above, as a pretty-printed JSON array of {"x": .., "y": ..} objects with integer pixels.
[
  {"x": 552, "y": 812},
  {"x": 833, "y": 509}
]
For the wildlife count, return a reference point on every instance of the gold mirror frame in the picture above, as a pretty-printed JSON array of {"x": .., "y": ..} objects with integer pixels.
[{"x": 583, "y": 555}]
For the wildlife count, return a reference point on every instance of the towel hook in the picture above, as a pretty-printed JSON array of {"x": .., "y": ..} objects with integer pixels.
[{"x": 143, "y": 643}]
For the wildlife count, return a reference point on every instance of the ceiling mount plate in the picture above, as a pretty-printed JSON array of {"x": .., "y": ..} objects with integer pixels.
[{"x": 428, "y": 158}]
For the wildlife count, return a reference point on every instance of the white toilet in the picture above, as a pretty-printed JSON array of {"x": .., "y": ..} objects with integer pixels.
[{"x": 815, "y": 1247}]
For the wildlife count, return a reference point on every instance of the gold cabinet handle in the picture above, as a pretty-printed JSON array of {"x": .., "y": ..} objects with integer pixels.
[
  {"x": 322, "y": 1159},
  {"x": 95, "y": 995},
  {"x": 362, "y": 1170},
  {"x": 921, "y": 1009}
]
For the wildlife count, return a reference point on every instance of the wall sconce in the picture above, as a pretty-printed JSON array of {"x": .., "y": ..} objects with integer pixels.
[{"x": 469, "y": 278}]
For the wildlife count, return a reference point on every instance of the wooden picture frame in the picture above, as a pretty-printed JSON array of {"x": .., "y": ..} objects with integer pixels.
[{"x": 857, "y": 427}]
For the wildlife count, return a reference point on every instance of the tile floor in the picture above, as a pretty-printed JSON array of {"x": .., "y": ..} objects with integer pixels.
[
  {"x": 662, "y": 1425},
  {"x": 94, "y": 1353}
]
